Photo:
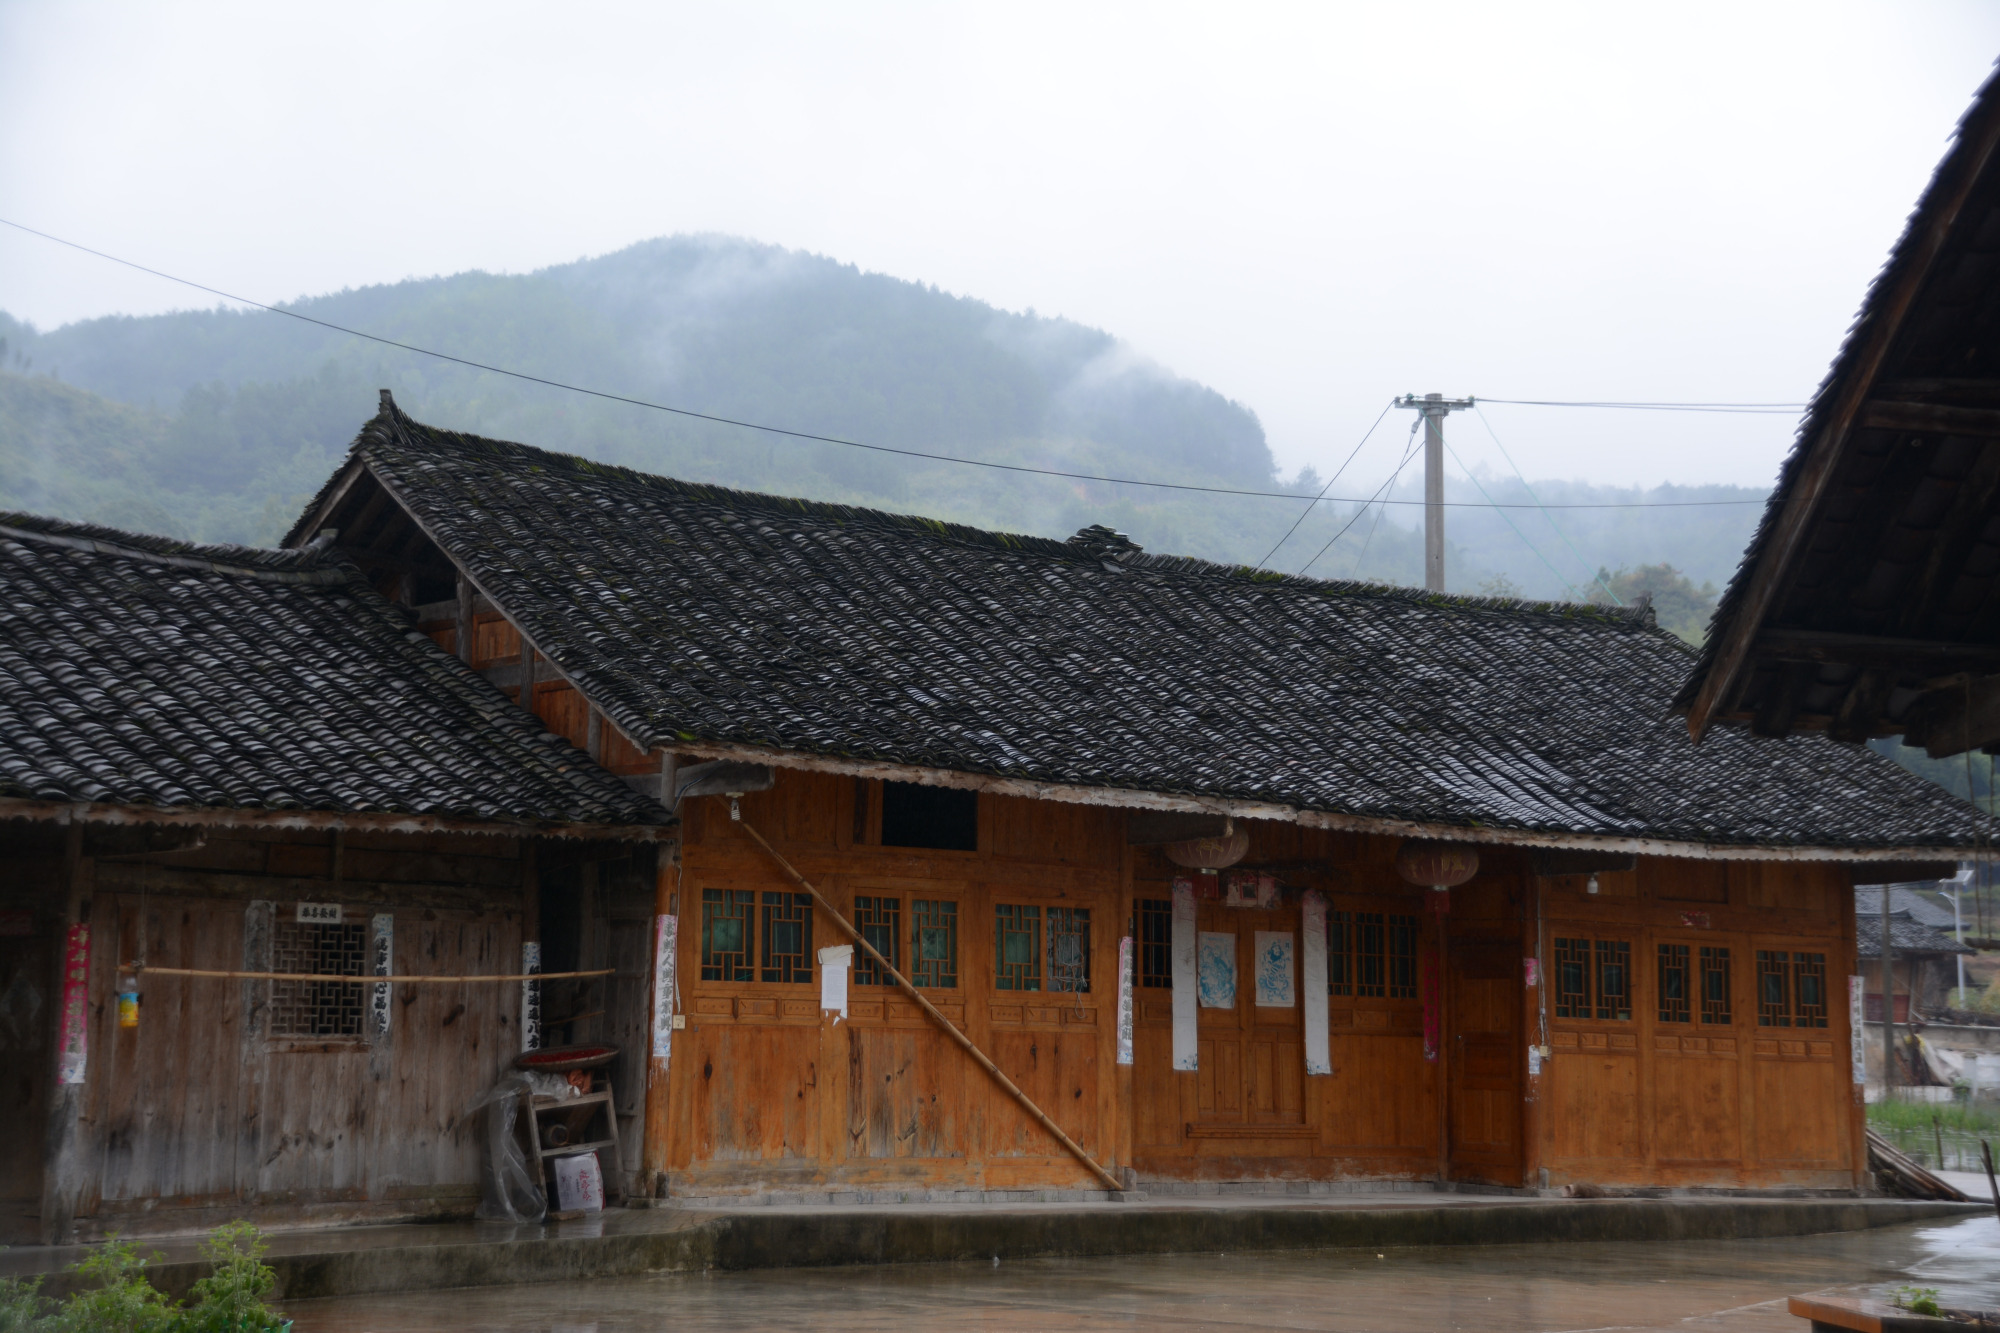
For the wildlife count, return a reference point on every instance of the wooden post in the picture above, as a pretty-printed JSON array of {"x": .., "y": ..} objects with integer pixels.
[
  {"x": 903, "y": 983},
  {"x": 1888, "y": 1002},
  {"x": 467, "y": 631},
  {"x": 63, "y": 1179}
]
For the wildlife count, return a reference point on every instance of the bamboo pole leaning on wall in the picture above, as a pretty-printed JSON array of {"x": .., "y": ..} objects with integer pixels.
[{"x": 1040, "y": 1117}]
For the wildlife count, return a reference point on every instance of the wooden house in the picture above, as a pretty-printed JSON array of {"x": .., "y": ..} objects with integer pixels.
[
  {"x": 1868, "y": 603},
  {"x": 242, "y": 763},
  {"x": 1015, "y": 864}
]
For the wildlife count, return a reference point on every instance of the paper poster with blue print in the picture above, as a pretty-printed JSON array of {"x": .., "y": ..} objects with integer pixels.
[
  {"x": 1274, "y": 970},
  {"x": 1217, "y": 967}
]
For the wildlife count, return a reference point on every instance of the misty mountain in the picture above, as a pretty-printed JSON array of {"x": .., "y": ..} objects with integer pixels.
[{"x": 217, "y": 424}]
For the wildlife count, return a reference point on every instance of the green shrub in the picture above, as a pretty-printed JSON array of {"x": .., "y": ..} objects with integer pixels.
[
  {"x": 231, "y": 1299},
  {"x": 119, "y": 1299}
]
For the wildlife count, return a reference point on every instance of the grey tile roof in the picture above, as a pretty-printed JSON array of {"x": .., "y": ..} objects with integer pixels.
[
  {"x": 1905, "y": 900},
  {"x": 1905, "y": 935},
  {"x": 141, "y": 671},
  {"x": 691, "y": 612}
]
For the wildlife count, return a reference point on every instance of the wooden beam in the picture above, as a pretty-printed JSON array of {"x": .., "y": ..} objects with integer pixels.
[
  {"x": 1958, "y": 718},
  {"x": 1855, "y": 719},
  {"x": 68, "y": 812},
  {"x": 1781, "y": 704},
  {"x": 1930, "y": 418},
  {"x": 964, "y": 1042},
  {"x": 1907, "y": 656},
  {"x": 466, "y": 612},
  {"x": 1555, "y": 861},
  {"x": 1913, "y": 268}
]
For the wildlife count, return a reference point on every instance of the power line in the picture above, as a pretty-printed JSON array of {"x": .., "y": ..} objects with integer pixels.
[
  {"x": 1324, "y": 489},
  {"x": 1547, "y": 517},
  {"x": 1408, "y": 454},
  {"x": 856, "y": 444},
  {"x": 1517, "y": 531},
  {"x": 1752, "y": 408}
]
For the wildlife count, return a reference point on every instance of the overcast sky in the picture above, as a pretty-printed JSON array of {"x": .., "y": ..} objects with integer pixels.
[{"x": 1309, "y": 207}]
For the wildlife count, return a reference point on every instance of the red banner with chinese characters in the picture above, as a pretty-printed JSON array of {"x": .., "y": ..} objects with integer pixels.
[{"x": 73, "y": 1040}]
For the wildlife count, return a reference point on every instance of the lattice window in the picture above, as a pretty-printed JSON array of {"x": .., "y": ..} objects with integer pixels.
[
  {"x": 788, "y": 937},
  {"x": 1791, "y": 989},
  {"x": 1572, "y": 978},
  {"x": 1715, "y": 1002},
  {"x": 1808, "y": 990},
  {"x": 1069, "y": 950},
  {"x": 1774, "y": 1009},
  {"x": 1402, "y": 957},
  {"x": 1614, "y": 979},
  {"x": 880, "y": 921},
  {"x": 1340, "y": 953},
  {"x": 1369, "y": 939},
  {"x": 1156, "y": 943},
  {"x": 934, "y": 943},
  {"x": 317, "y": 1008},
  {"x": 1017, "y": 947},
  {"x": 1675, "y": 1003},
  {"x": 725, "y": 935}
]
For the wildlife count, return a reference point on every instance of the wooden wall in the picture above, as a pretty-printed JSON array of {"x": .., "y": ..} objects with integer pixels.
[
  {"x": 769, "y": 1094},
  {"x": 1737, "y": 1103},
  {"x": 204, "y": 1112}
]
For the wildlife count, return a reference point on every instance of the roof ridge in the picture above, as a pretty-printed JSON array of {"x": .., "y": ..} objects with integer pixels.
[
  {"x": 990, "y": 538},
  {"x": 316, "y": 562}
]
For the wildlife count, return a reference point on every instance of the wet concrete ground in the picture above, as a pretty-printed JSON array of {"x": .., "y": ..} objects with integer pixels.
[{"x": 1737, "y": 1286}]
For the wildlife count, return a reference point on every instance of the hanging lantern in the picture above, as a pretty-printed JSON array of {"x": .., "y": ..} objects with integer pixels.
[
  {"x": 1438, "y": 865},
  {"x": 1210, "y": 854}
]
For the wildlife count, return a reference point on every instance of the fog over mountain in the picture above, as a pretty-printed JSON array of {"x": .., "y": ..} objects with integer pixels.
[{"x": 216, "y": 424}]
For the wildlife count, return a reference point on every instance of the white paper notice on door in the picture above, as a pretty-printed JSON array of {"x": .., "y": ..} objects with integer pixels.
[
  {"x": 1274, "y": 970},
  {"x": 833, "y": 963},
  {"x": 1312, "y": 980},
  {"x": 1218, "y": 969},
  {"x": 1187, "y": 1046}
]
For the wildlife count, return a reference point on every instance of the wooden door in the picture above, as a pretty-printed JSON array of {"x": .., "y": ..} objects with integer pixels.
[
  {"x": 1252, "y": 1072},
  {"x": 1486, "y": 1055}
]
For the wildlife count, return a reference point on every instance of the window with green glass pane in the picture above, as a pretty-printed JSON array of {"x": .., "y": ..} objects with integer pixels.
[
  {"x": 725, "y": 934},
  {"x": 934, "y": 943},
  {"x": 879, "y": 920},
  {"x": 1017, "y": 947}
]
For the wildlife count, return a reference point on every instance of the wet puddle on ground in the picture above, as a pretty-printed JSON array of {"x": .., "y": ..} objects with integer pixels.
[{"x": 1737, "y": 1286}]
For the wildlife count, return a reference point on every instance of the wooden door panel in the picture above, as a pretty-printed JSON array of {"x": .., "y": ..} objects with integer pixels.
[
  {"x": 1697, "y": 1109},
  {"x": 1593, "y": 1103},
  {"x": 755, "y": 1092},
  {"x": 1058, "y": 1072},
  {"x": 904, "y": 1095},
  {"x": 1802, "y": 1110},
  {"x": 1484, "y": 1071},
  {"x": 1383, "y": 1094}
]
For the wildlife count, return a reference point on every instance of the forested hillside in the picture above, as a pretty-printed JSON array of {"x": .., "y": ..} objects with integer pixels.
[{"x": 217, "y": 424}]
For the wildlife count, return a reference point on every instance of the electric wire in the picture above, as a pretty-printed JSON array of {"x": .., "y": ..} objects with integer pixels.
[
  {"x": 1546, "y": 515},
  {"x": 1510, "y": 523},
  {"x": 883, "y": 448},
  {"x": 1324, "y": 489},
  {"x": 1753, "y": 409},
  {"x": 1408, "y": 454}
]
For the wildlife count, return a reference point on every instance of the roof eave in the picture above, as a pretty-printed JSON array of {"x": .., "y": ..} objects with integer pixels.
[
  {"x": 1133, "y": 799},
  {"x": 63, "y": 813}
]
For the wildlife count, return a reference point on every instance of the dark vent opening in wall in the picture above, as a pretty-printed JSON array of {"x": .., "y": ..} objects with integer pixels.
[{"x": 942, "y": 818}]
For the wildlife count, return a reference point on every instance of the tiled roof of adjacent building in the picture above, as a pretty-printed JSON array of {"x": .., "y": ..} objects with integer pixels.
[
  {"x": 694, "y": 613},
  {"x": 140, "y": 671},
  {"x": 1904, "y": 900},
  {"x": 1905, "y": 936}
]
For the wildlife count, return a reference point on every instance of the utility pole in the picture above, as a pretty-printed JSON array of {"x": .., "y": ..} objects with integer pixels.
[{"x": 1434, "y": 407}]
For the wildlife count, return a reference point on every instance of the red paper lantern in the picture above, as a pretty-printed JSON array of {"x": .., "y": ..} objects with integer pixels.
[{"x": 1436, "y": 865}]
